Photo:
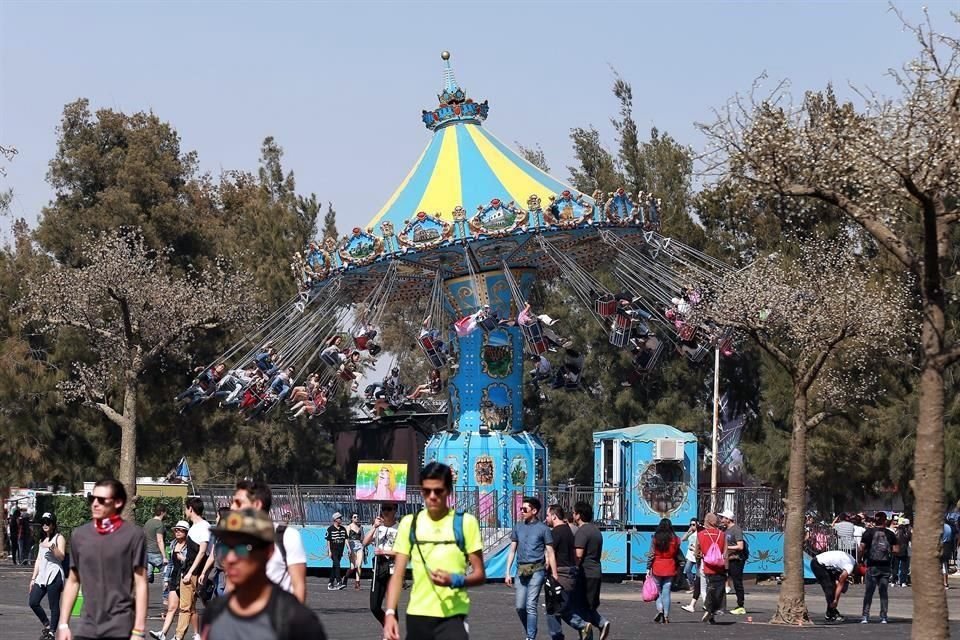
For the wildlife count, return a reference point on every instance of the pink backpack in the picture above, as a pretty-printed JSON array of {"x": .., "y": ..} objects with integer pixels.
[{"x": 713, "y": 556}]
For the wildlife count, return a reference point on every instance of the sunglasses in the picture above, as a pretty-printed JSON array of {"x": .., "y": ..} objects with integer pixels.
[
  {"x": 525, "y": 509},
  {"x": 436, "y": 492},
  {"x": 222, "y": 549},
  {"x": 391, "y": 509},
  {"x": 98, "y": 499}
]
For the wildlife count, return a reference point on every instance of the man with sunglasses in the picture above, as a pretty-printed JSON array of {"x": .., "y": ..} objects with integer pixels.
[
  {"x": 531, "y": 543},
  {"x": 382, "y": 536},
  {"x": 441, "y": 545},
  {"x": 107, "y": 556},
  {"x": 288, "y": 564},
  {"x": 256, "y": 608}
]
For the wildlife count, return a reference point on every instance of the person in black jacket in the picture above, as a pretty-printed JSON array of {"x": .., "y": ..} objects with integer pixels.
[{"x": 244, "y": 544}]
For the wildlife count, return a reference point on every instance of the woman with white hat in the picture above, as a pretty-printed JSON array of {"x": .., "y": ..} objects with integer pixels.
[{"x": 178, "y": 555}]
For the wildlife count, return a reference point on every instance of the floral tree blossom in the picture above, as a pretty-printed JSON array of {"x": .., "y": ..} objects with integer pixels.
[
  {"x": 890, "y": 165},
  {"x": 826, "y": 317},
  {"x": 133, "y": 307}
]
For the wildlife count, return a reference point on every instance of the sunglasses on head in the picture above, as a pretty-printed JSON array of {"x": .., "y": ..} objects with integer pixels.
[{"x": 98, "y": 499}]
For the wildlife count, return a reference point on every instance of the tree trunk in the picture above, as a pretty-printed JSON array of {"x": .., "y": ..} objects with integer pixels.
[
  {"x": 791, "y": 606},
  {"x": 929, "y": 600},
  {"x": 128, "y": 444}
]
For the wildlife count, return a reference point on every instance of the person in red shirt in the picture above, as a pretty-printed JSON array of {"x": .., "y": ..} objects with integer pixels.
[
  {"x": 664, "y": 562},
  {"x": 712, "y": 552}
]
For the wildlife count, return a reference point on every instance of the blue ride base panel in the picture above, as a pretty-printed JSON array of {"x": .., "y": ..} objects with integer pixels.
[{"x": 624, "y": 553}]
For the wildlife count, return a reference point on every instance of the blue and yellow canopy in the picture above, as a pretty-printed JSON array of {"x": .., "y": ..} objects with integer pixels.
[{"x": 466, "y": 166}]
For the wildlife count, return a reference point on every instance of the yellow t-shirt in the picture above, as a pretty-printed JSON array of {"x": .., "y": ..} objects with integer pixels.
[{"x": 440, "y": 551}]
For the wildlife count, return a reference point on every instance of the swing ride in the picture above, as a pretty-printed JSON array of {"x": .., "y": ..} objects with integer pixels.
[
  {"x": 474, "y": 272},
  {"x": 472, "y": 275}
]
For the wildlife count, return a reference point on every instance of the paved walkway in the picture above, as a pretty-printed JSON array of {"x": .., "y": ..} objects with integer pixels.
[{"x": 345, "y": 614}]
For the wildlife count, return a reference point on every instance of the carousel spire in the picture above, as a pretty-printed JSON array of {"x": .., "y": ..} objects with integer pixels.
[
  {"x": 455, "y": 107},
  {"x": 449, "y": 80}
]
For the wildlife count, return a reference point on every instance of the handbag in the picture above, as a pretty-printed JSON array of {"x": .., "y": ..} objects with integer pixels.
[
  {"x": 552, "y": 595},
  {"x": 651, "y": 590}
]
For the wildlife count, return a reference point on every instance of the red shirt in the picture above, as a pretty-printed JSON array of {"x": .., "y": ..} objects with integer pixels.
[
  {"x": 665, "y": 562},
  {"x": 706, "y": 539}
]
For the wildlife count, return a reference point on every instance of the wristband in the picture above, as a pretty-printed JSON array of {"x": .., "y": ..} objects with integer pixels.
[
  {"x": 137, "y": 632},
  {"x": 62, "y": 626},
  {"x": 458, "y": 580},
  {"x": 390, "y": 612}
]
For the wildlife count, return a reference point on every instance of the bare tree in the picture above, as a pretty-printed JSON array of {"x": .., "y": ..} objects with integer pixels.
[
  {"x": 132, "y": 307},
  {"x": 824, "y": 317},
  {"x": 535, "y": 156},
  {"x": 891, "y": 166}
]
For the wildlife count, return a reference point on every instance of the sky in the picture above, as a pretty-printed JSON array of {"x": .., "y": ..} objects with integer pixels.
[{"x": 341, "y": 85}]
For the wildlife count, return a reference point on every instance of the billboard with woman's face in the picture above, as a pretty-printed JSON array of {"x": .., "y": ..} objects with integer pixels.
[{"x": 379, "y": 481}]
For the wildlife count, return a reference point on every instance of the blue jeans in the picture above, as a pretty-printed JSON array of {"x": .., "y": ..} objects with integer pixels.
[
  {"x": 568, "y": 608},
  {"x": 663, "y": 600},
  {"x": 528, "y": 597},
  {"x": 901, "y": 569},
  {"x": 690, "y": 570},
  {"x": 154, "y": 564}
]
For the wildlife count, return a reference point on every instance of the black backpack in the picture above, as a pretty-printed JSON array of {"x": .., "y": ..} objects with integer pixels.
[
  {"x": 288, "y": 618},
  {"x": 880, "y": 550}
]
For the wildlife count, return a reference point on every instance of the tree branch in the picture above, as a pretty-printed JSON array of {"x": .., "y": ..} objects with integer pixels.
[
  {"x": 948, "y": 358},
  {"x": 83, "y": 325},
  {"x": 815, "y": 420},
  {"x": 205, "y": 324},
  {"x": 883, "y": 234},
  {"x": 814, "y": 369},
  {"x": 125, "y": 311},
  {"x": 112, "y": 414},
  {"x": 778, "y": 354}
]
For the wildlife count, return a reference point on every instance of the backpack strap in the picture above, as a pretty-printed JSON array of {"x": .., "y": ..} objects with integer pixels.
[
  {"x": 212, "y": 611},
  {"x": 278, "y": 542},
  {"x": 413, "y": 530},
  {"x": 458, "y": 536},
  {"x": 281, "y": 612}
]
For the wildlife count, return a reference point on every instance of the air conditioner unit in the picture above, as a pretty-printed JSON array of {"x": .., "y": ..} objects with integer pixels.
[{"x": 668, "y": 449}]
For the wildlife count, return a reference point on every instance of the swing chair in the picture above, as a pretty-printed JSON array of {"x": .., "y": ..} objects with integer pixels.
[
  {"x": 372, "y": 309},
  {"x": 532, "y": 331},
  {"x": 430, "y": 339}
]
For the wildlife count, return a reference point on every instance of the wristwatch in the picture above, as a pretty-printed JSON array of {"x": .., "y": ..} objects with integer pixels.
[{"x": 390, "y": 612}]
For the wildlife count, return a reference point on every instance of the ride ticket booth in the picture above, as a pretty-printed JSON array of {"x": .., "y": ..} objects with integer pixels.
[{"x": 643, "y": 474}]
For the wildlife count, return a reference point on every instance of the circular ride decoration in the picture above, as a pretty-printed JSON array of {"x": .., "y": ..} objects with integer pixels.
[{"x": 662, "y": 495}]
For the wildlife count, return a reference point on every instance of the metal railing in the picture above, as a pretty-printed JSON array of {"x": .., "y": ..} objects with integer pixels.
[{"x": 755, "y": 508}]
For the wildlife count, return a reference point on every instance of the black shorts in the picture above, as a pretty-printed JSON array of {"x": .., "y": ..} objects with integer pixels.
[{"x": 430, "y": 628}]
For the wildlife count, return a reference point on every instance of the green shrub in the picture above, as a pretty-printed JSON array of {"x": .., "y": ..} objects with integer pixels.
[{"x": 73, "y": 511}]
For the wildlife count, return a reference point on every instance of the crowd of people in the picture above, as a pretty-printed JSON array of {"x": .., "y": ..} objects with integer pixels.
[{"x": 251, "y": 572}]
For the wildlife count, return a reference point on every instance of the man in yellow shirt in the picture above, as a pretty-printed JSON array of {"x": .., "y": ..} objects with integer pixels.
[{"x": 443, "y": 544}]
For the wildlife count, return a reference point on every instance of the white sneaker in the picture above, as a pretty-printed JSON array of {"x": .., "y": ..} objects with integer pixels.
[
  {"x": 156, "y": 635},
  {"x": 689, "y": 608}
]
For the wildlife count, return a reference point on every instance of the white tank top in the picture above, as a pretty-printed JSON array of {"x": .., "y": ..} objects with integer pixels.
[{"x": 49, "y": 567}]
